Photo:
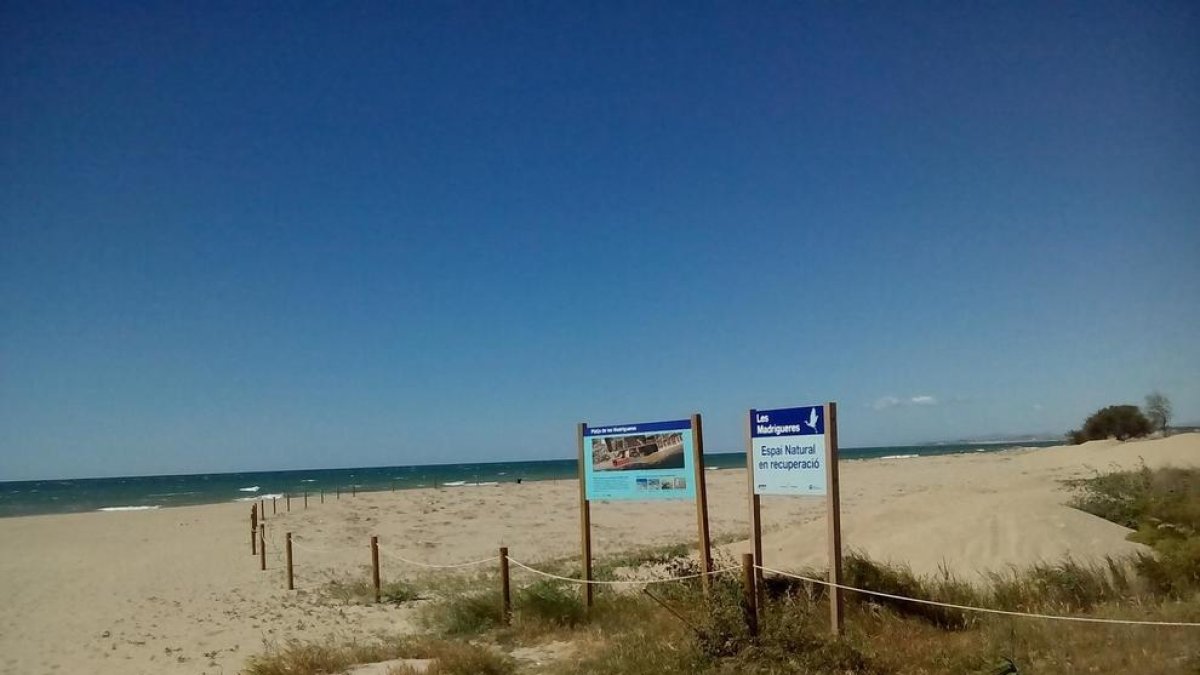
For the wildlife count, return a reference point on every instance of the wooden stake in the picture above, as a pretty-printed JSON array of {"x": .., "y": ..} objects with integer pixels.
[
  {"x": 755, "y": 507},
  {"x": 505, "y": 590},
  {"x": 375, "y": 568},
  {"x": 253, "y": 529},
  {"x": 353, "y": 490},
  {"x": 749, "y": 594},
  {"x": 702, "y": 503},
  {"x": 322, "y": 495},
  {"x": 585, "y": 521},
  {"x": 262, "y": 547},
  {"x": 834, "y": 516},
  {"x": 274, "y": 506},
  {"x": 291, "y": 586},
  {"x": 287, "y": 500},
  {"x": 306, "y": 499}
]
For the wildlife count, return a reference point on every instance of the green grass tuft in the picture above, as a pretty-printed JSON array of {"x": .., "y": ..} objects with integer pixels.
[
  {"x": 451, "y": 658},
  {"x": 549, "y": 603}
]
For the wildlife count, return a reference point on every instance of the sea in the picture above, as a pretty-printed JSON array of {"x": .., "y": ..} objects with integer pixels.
[{"x": 136, "y": 493}]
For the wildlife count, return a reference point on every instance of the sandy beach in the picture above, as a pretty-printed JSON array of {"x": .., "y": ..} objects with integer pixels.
[{"x": 178, "y": 591}]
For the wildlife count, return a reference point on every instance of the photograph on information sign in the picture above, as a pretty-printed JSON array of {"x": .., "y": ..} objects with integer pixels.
[{"x": 639, "y": 451}]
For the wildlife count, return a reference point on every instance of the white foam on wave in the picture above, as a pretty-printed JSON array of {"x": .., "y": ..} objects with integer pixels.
[
  {"x": 460, "y": 483},
  {"x": 455, "y": 483},
  {"x": 258, "y": 497},
  {"x": 899, "y": 456},
  {"x": 128, "y": 508},
  {"x": 309, "y": 480},
  {"x": 253, "y": 488}
]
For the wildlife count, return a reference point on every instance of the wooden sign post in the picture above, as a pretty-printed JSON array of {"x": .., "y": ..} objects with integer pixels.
[
  {"x": 625, "y": 464},
  {"x": 585, "y": 521},
  {"x": 702, "y": 504},
  {"x": 755, "y": 513},
  {"x": 794, "y": 451},
  {"x": 833, "y": 514}
]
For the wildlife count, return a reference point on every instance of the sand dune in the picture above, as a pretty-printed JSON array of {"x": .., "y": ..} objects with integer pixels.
[
  {"x": 177, "y": 591},
  {"x": 967, "y": 513}
]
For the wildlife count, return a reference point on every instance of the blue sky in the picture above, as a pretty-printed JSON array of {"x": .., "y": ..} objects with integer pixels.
[{"x": 340, "y": 234}]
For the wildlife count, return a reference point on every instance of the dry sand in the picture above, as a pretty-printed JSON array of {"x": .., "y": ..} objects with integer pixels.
[{"x": 177, "y": 591}]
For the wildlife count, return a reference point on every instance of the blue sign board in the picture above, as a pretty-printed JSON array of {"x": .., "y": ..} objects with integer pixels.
[
  {"x": 646, "y": 461},
  {"x": 788, "y": 451}
]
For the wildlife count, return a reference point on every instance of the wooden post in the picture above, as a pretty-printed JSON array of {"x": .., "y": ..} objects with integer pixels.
[
  {"x": 749, "y": 593},
  {"x": 306, "y": 499},
  {"x": 291, "y": 586},
  {"x": 287, "y": 500},
  {"x": 353, "y": 490},
  {"x": 262, "y": 547},
  {"x": 322, "y": 495},
  {"x": 702, "y": 503},
  {"x": 505, "y": 590},
  {"x": 274, "y": 506},
  {"x": 585, "y": 521},
  {"x": 253, "y": 529},
  {"x": 834, "y": 517},
  {"x": 755, "y": 508},
  {"x": 262, "y": 509},
  {"x": 375, "y": 567}
]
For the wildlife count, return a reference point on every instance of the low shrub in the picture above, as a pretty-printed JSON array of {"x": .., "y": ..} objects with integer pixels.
[{"x": 549, "y": 604}]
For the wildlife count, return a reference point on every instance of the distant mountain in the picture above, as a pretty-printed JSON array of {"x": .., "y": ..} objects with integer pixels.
[{"x": 995, "y": 439}]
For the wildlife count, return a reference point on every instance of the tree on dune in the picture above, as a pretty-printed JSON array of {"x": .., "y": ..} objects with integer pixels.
[
  {"x": 1158, "y": 409},
  {"x": 1121, "y": 422}
]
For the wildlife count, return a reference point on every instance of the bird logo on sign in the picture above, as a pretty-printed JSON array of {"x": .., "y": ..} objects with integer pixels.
[{"x": 812, "y": 419}]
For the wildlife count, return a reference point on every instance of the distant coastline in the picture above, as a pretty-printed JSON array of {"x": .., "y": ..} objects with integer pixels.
[{"x": 136, "y": 493}]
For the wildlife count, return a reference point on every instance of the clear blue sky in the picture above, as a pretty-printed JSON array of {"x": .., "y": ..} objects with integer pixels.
[{"x": 337, "y": 234}]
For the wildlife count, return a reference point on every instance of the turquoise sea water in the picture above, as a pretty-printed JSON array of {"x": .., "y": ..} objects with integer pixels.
[{"x": 26, "y": 498}]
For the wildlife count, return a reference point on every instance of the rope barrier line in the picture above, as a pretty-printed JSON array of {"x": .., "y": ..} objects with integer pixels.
[
  {"x": 275, "y": 552},
  {"x": 986, "y": 610},
  {"x": 431, "y": 566},
  {"x": 623, "y": 582}
]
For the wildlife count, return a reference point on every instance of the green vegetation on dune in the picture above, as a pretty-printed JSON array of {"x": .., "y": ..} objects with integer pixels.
[
  {"x": 1123, "y": 422},
  {"x": 673, "y": 628},
  {"x": 1163, "y": 507},
  {"x": 452, "y": 658}
]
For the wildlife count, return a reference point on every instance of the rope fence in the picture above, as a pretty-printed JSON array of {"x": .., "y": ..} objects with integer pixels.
[
  {"x": 969, "y": 608},
  {"x": 264, "y": 543},
  {"x": 621, "y": 582},
  {"x": 433, "y": 566}
]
